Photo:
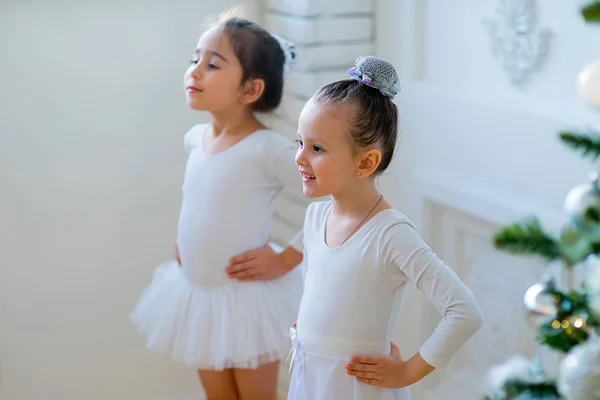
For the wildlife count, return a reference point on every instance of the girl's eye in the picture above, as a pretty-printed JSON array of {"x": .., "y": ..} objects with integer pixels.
[
  {"x": 316, "y": 148},
  {"x": 210, "y": 66},
  {"x": 298, "y": 142}
]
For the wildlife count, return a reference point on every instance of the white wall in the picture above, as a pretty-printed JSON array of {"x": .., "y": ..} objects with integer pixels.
[
  {"x": 91, "y": 123},
  {"x": 476, "y": 153}
]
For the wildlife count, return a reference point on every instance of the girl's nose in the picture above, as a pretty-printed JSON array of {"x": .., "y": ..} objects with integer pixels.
[
  {"x": 196, "y": 71},
  {"x": 300, "y": 159}
]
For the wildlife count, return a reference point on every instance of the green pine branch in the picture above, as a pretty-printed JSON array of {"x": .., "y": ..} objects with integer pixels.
[
  {"x": 576, "y": 244},
  {"x": 518, "y": 389},
  {"x": 586, "y": 144},
  {"x": 514, "y": 388},
  {"x": 591, "y": 12},
  {"x": 527, "y": 238},
  {"x": 561, "y": 339},
  {"x": 561, "y": 332}
]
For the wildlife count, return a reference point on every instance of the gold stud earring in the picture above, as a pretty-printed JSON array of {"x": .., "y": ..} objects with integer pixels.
[{"x": 359, "y": 174}]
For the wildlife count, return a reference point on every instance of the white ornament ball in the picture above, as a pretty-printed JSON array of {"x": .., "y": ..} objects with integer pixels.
[
  {"x": 588, "y": 84},
  {"x": 516, "y": 367},
  {"x": 582, "y": 204},
  {"x": 579, "y": 376}
]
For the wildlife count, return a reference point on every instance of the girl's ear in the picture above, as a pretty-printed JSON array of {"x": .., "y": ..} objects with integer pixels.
[
  {"x": 369, "y": 162},
  {"x": 252, "y": 91}
]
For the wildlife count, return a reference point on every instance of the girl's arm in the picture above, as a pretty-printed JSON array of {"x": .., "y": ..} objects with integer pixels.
[
  {"x": 408, "y": 258},
  {"x": 264, "y": 263}
]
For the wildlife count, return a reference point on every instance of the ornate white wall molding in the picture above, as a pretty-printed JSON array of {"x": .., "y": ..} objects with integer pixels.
[{"x": 516, "y": 40}]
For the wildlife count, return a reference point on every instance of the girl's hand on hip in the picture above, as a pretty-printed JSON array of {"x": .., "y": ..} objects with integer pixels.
[
  {"x": 384, "y": 371},
  {"x": 255, "y": 265}
]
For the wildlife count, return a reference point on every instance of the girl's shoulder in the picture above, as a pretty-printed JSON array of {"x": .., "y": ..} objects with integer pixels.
[
  {"x": 273, "y": 138},
  {"x": 387, "y": 225},
  {"x": 316, "y": 213},
  {"x": 193, "y": 137},
  {"x": 319, "y": 209},
  {"x": 393, "y": 221},
  {"x": 396, "y": 231},
  {"x": 395, "y": 217}
]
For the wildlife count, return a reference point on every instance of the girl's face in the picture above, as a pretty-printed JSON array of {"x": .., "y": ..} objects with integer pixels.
[
  {"x": 326, "y": 156},
  {"x": 213, "y": 80}
]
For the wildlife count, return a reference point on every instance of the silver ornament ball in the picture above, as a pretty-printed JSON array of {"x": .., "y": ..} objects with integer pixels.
[
  {"x": 579, "y": 376},
  {"x": 582, "y": 204},
  {"x": 541, "y": 304},
  {"x": 592, "y": 282}
]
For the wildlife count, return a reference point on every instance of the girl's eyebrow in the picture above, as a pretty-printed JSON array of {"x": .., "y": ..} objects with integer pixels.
[
  {"x": 214, "y": 53},
  {"x": 312, "y": 139}
]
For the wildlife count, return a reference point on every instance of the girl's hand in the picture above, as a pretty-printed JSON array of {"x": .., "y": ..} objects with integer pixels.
[
  {"x": 177, "y": 255},
  {"x": 384, "y": 371},
  {"x": 256, "y": 265}
]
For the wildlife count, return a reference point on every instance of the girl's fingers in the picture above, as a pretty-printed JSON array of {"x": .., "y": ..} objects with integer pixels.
[{"x": 362, "y": 367}]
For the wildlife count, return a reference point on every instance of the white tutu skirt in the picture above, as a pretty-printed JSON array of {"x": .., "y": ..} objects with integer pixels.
[{"x": 241, "y": 325}]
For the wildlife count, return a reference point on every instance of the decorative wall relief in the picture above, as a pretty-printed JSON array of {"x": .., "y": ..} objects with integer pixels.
[{"x": 516, "y": 41}]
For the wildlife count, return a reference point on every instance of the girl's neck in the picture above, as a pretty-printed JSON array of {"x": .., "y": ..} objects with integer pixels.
[
  {"x": 235, "y": 122},
  {"x": 358, "y": 199}
]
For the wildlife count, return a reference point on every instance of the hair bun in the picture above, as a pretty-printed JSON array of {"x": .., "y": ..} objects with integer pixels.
[
  {"x": 376, "y": 73},
  {"x": 289, "y": 50}
]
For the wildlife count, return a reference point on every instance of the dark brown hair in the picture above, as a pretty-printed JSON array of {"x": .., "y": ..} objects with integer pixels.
[
  {"x": 260, "y": 55},
  {"x": 375, "y": 119}
]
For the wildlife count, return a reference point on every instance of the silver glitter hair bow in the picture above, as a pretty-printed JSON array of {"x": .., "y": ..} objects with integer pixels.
[
  {"x": 289, "y": 50},
  {"x": 376, "y": 73}
]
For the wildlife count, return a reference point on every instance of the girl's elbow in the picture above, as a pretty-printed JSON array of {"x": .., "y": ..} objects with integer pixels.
[{"x": 476, "y": 317}]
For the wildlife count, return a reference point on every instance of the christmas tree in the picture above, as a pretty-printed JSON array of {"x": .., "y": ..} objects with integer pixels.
[{"x": 567, "y": 319}]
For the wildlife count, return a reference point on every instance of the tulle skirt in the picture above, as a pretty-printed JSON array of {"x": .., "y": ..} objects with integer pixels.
[{"x": 241, "y": 325}]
